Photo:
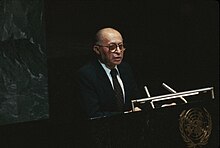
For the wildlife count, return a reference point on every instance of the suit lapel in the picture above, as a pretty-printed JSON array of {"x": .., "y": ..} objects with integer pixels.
[
  {"x": 103, "y": 79},
  {"x": 124, "y": 79}
]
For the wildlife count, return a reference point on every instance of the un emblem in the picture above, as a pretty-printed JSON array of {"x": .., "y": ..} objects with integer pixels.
[{"x": 195, "y": 126}]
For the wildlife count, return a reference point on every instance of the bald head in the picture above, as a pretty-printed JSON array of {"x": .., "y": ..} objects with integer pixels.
[
  {"x": 104, "y": 34},
  {"x": 107, "y": 38}
]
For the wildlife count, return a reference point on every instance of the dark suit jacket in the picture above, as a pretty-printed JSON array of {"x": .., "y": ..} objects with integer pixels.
[{"x": 96, "y": 92}]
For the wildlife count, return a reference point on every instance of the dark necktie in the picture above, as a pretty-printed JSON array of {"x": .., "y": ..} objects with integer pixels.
[{"x": 117, "y": 89}]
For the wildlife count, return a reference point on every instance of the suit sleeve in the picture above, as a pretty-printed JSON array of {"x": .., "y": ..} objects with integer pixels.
[{"x": 88, "y": 95}]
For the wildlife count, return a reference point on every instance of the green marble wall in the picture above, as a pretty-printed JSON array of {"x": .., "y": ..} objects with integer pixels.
[{"x": 23, "y": 62}]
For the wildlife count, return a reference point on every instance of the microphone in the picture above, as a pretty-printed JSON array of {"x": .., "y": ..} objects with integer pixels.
[
  {"x": 147, "y": 92},
  {"x": 172, "y": 91}
]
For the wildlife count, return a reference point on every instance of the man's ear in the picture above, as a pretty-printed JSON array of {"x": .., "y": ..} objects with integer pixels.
[{"x": 96, "y": 49}]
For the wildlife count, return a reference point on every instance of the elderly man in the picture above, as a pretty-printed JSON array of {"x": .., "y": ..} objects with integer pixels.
[{"x": 106, "y": 85}]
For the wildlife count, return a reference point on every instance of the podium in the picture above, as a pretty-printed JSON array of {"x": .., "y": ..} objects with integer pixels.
[{"x": 190, "y": 124}]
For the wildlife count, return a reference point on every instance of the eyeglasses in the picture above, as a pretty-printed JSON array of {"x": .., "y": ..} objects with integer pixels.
[{"x": 113, "y": 47}]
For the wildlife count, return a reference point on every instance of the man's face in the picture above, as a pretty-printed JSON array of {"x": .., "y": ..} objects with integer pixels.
[{"x": 110, "y": 57}]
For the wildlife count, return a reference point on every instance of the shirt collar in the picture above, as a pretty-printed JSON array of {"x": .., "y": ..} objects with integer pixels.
[{"x": 108, "y": 70}]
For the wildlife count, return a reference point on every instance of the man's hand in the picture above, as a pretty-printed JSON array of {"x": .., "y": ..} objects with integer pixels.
[{"x": 136, "y": 109}]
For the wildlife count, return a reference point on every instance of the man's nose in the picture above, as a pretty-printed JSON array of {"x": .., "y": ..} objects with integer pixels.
[{"x": 118, "y": 50}]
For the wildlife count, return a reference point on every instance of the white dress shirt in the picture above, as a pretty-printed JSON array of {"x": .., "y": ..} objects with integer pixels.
[{"x": 107, "y": 70}]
